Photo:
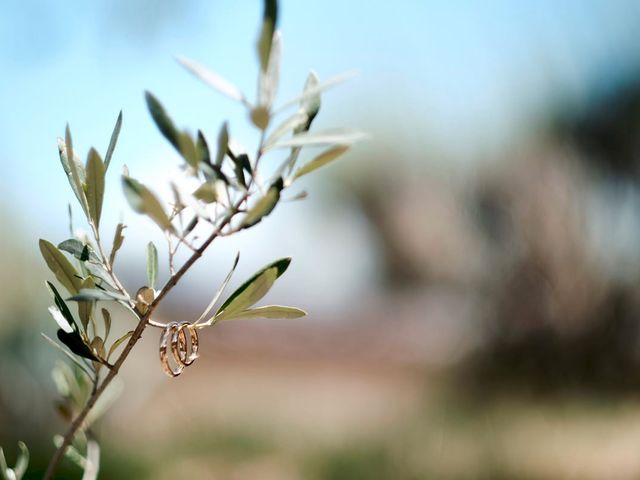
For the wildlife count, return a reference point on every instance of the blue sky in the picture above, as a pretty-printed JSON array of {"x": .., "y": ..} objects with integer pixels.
[{"x": 468, "y": 76}]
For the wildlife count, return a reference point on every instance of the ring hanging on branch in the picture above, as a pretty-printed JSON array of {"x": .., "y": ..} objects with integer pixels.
[{"x": 184, "y": 348}]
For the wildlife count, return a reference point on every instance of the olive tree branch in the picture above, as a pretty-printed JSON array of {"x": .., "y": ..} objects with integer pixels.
[{"x": 144, "y": 320}]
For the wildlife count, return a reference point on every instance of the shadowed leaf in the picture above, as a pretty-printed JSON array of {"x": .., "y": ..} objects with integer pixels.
[
  {"x": 162, "y": 120},
  {"x": 73, "y": 341},
  {"x": 65, "y": 273},
  {"x": 77, "y": 248}
]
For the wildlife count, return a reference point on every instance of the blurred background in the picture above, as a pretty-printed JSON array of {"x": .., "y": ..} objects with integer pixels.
[{"x": 471, "y": 271}]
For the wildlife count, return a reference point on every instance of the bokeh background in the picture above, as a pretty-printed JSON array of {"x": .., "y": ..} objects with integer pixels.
[{"x": 471, "y": 271}]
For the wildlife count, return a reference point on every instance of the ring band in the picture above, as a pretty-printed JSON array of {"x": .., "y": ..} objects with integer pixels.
[
  {"x": 184, "y": 352},
  {"x": 164, "y": 360},
  {"x": 179, "y": 344}
]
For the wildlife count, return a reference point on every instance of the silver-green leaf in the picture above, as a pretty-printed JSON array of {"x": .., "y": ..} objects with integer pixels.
[
  {"x": 268, "y": 311},
  {"x": 253, "y": 290},
  {"x": 269, "y": 79},
  {"x": 143, "y": 201},
  {"x": 269, "y": 23},
  {"x": 95, "y": 173},
  {"x": 65, "y": 273},
  {"x": 264, "y": 206},
  {"x": 327, "y": 137},
  {"x": 162, "y": 120},
  {"x": 118, "y": 239},
  {"x": 321, "y": 160},
  {"x": 219, "y": 292},
  {"x": 112, "y": 142},
  {"x": 312, "y": 92},
  {"x": 86, "y": 294},
  {"x": 213, "y": 80},
  {"x": 152, "y": 265}
]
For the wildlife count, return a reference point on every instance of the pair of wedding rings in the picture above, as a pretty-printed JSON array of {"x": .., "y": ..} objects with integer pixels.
[{"x": 182, "y": 339}]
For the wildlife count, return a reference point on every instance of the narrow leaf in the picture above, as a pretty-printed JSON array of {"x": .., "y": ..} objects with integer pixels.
[
  {"x": 290, "y": 124},
  {"x": 253, "y": 289},
  {"x": 106, "y": 317},
  {"x": 264, "y": 206},
  {"x": 77, "y": 248},
  {"x": 310, "y": 104},
  {"x": 143, "y": 201},
  {"x": 62, "y": 307},
  {"x": 152, "y": 265},
  {"x": 60, "y": 319},
  {"x": 213, "y": 80},
  {"x": 217, "y": 295},
  {"x": 321, "y": 160},
  {"x": 118, "y": 239},
  {"x": 95, "y": 185},
  {"x": 73, "y": 341},
  {"x": 206, "y": 193},
  {"x": 70, "y": 214},
  {"x": 269, "y": 79},
  {"x": 202, "y": 148},
  {"x": 314, "y": 91},
  {"x": 112, "y": 142},
  {"x": 269, "y": 311},
  {"x": 76, "y": 169},
  {"x": 223, "y": 144},
  {"x": 86, "y": 294},
  {"x": 269, "y": 22},
  {"x": 188, "y": 150},
  {"x": 66, "y": 274},
  {"x": 85, "y": 309},
  {"x": 327, "y": 137},
  {"x": 97, "y": 346},
  {"x": 66, "y": 165},
  {"x": 162, "y": 120}
]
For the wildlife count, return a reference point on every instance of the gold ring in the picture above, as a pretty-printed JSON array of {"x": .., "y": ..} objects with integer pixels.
[
  {"x": 164, "y": 360},
  {"x": 179, "y": 344}
]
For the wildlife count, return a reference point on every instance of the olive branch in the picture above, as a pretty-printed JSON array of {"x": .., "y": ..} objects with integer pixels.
[{"x": 231, "y": 192}]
